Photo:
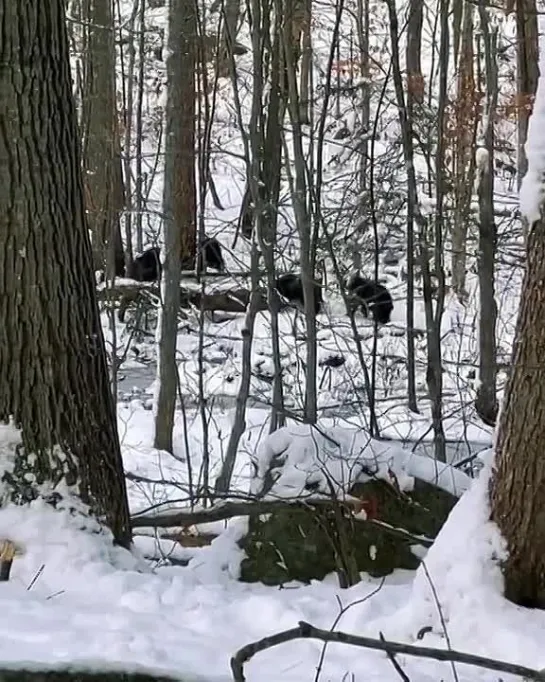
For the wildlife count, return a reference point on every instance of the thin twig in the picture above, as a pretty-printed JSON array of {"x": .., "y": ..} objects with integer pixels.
[
  {"x": 399, "y": 670},
  {"x": 442, "y": 618},
  {"x": 342, "y": 611}
]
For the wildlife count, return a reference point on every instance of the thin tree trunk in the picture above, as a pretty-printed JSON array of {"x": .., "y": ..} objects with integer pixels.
[
  {"x": 306, "y": 62},
  {"x": 486, "y": 403},
  {"x": 527, "y": 74},
  {"x": 128, "y": 101},
  {"x": 457, "y": 16},
  {"x": 53, "y": 369},
  {"x": 139, "y": 183},
  {"x": 362, "y": 23},
  {"x": 178, "y": 203},
  {"x": 272, "y": 168},
  {"x": 415, "y": 98},
  {"x": 434, "y": 371},
  {"x": 251, "y": 143},
  {"x": 231, "y": 16},
  {"x": 302, "y": 215},
  {"x": 406, "y": 113},
  {"x": 464, "y": 156}
]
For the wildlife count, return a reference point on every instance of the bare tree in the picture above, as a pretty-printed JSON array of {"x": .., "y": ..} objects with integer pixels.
[
  {"x": 304, "y": 20},
  {"x": 128, "y": 72},
  {"x": 527, "y": 74},
  {"x": 253, "y": 149},
  {"x": 101, "y": 143},
  {"x": 178, "y": 202},
  {"x": 53, "y": 367},
  {"x": 362, "y": 27},
  {"x": 415, "y": 98},
  {"x": 486, "y": 403},
  {"x": 434, "y": 313},
  {"x": 269, "y": 191},
  {"x": 231, "y": 18},
  {"x": 139, "y": 121},
  {"x": 299, "y": 191},
  {"x": 465, "y": 132}
]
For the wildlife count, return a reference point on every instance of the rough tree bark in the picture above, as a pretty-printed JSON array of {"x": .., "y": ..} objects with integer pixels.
[
  {"x": 518, "y": 506},
  {"x": 486, "y": 403},
  {"x": 103, "y": 178},
  {"x": 179, "y": 203},
  {"x": 53, "y": 368},
  {"x": 516, "y": 488}
]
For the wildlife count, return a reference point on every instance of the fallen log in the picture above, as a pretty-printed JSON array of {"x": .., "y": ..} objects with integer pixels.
[{"x": 229, "y": 301}]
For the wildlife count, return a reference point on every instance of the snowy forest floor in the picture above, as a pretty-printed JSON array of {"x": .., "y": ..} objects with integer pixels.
[{"x": 74, "y": 599}]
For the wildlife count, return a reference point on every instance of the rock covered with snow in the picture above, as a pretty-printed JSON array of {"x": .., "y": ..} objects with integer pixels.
[{"x": 304, "y": 460}]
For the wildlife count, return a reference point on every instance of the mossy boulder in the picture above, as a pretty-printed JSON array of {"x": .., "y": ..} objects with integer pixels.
[{"x": 298, "y": 543}]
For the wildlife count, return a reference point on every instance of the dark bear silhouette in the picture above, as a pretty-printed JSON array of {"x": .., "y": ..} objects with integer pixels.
[
  {"x": 213, "y": 256},
  {"x": 290, "y": 286},
  {"x": 147, "y": 266},
  {"x": 371, "y": 297}
]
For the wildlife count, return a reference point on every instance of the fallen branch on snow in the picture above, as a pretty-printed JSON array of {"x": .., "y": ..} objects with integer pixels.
[
  {"x": 230, "y": 509},
  {"x": 307, "y": 631},
  {"x": 231, "y": 300}
]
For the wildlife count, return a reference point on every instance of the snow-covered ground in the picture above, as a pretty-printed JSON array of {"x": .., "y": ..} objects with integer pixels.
[{"x": 74, "y": 599}]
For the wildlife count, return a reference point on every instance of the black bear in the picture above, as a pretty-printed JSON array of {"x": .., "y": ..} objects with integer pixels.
[
  {"x": 213, "y": 256},
  {"x": 371, "y": 297},
  {"x": 290, "y": 286},
  {"x": 147, "y": 266}
]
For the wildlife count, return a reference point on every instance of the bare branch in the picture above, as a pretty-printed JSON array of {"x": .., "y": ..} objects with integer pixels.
[
  {"x": 308, "y": 631},
  {"x": 228, "y": 510}
]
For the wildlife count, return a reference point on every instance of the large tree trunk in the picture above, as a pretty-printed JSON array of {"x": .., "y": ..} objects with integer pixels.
[
  {"x": 518, "y": 504},
  {"x": 178, "y": 203},
  {"x": 53, "y": 371},
  {"x": 101, "y": 147}
]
